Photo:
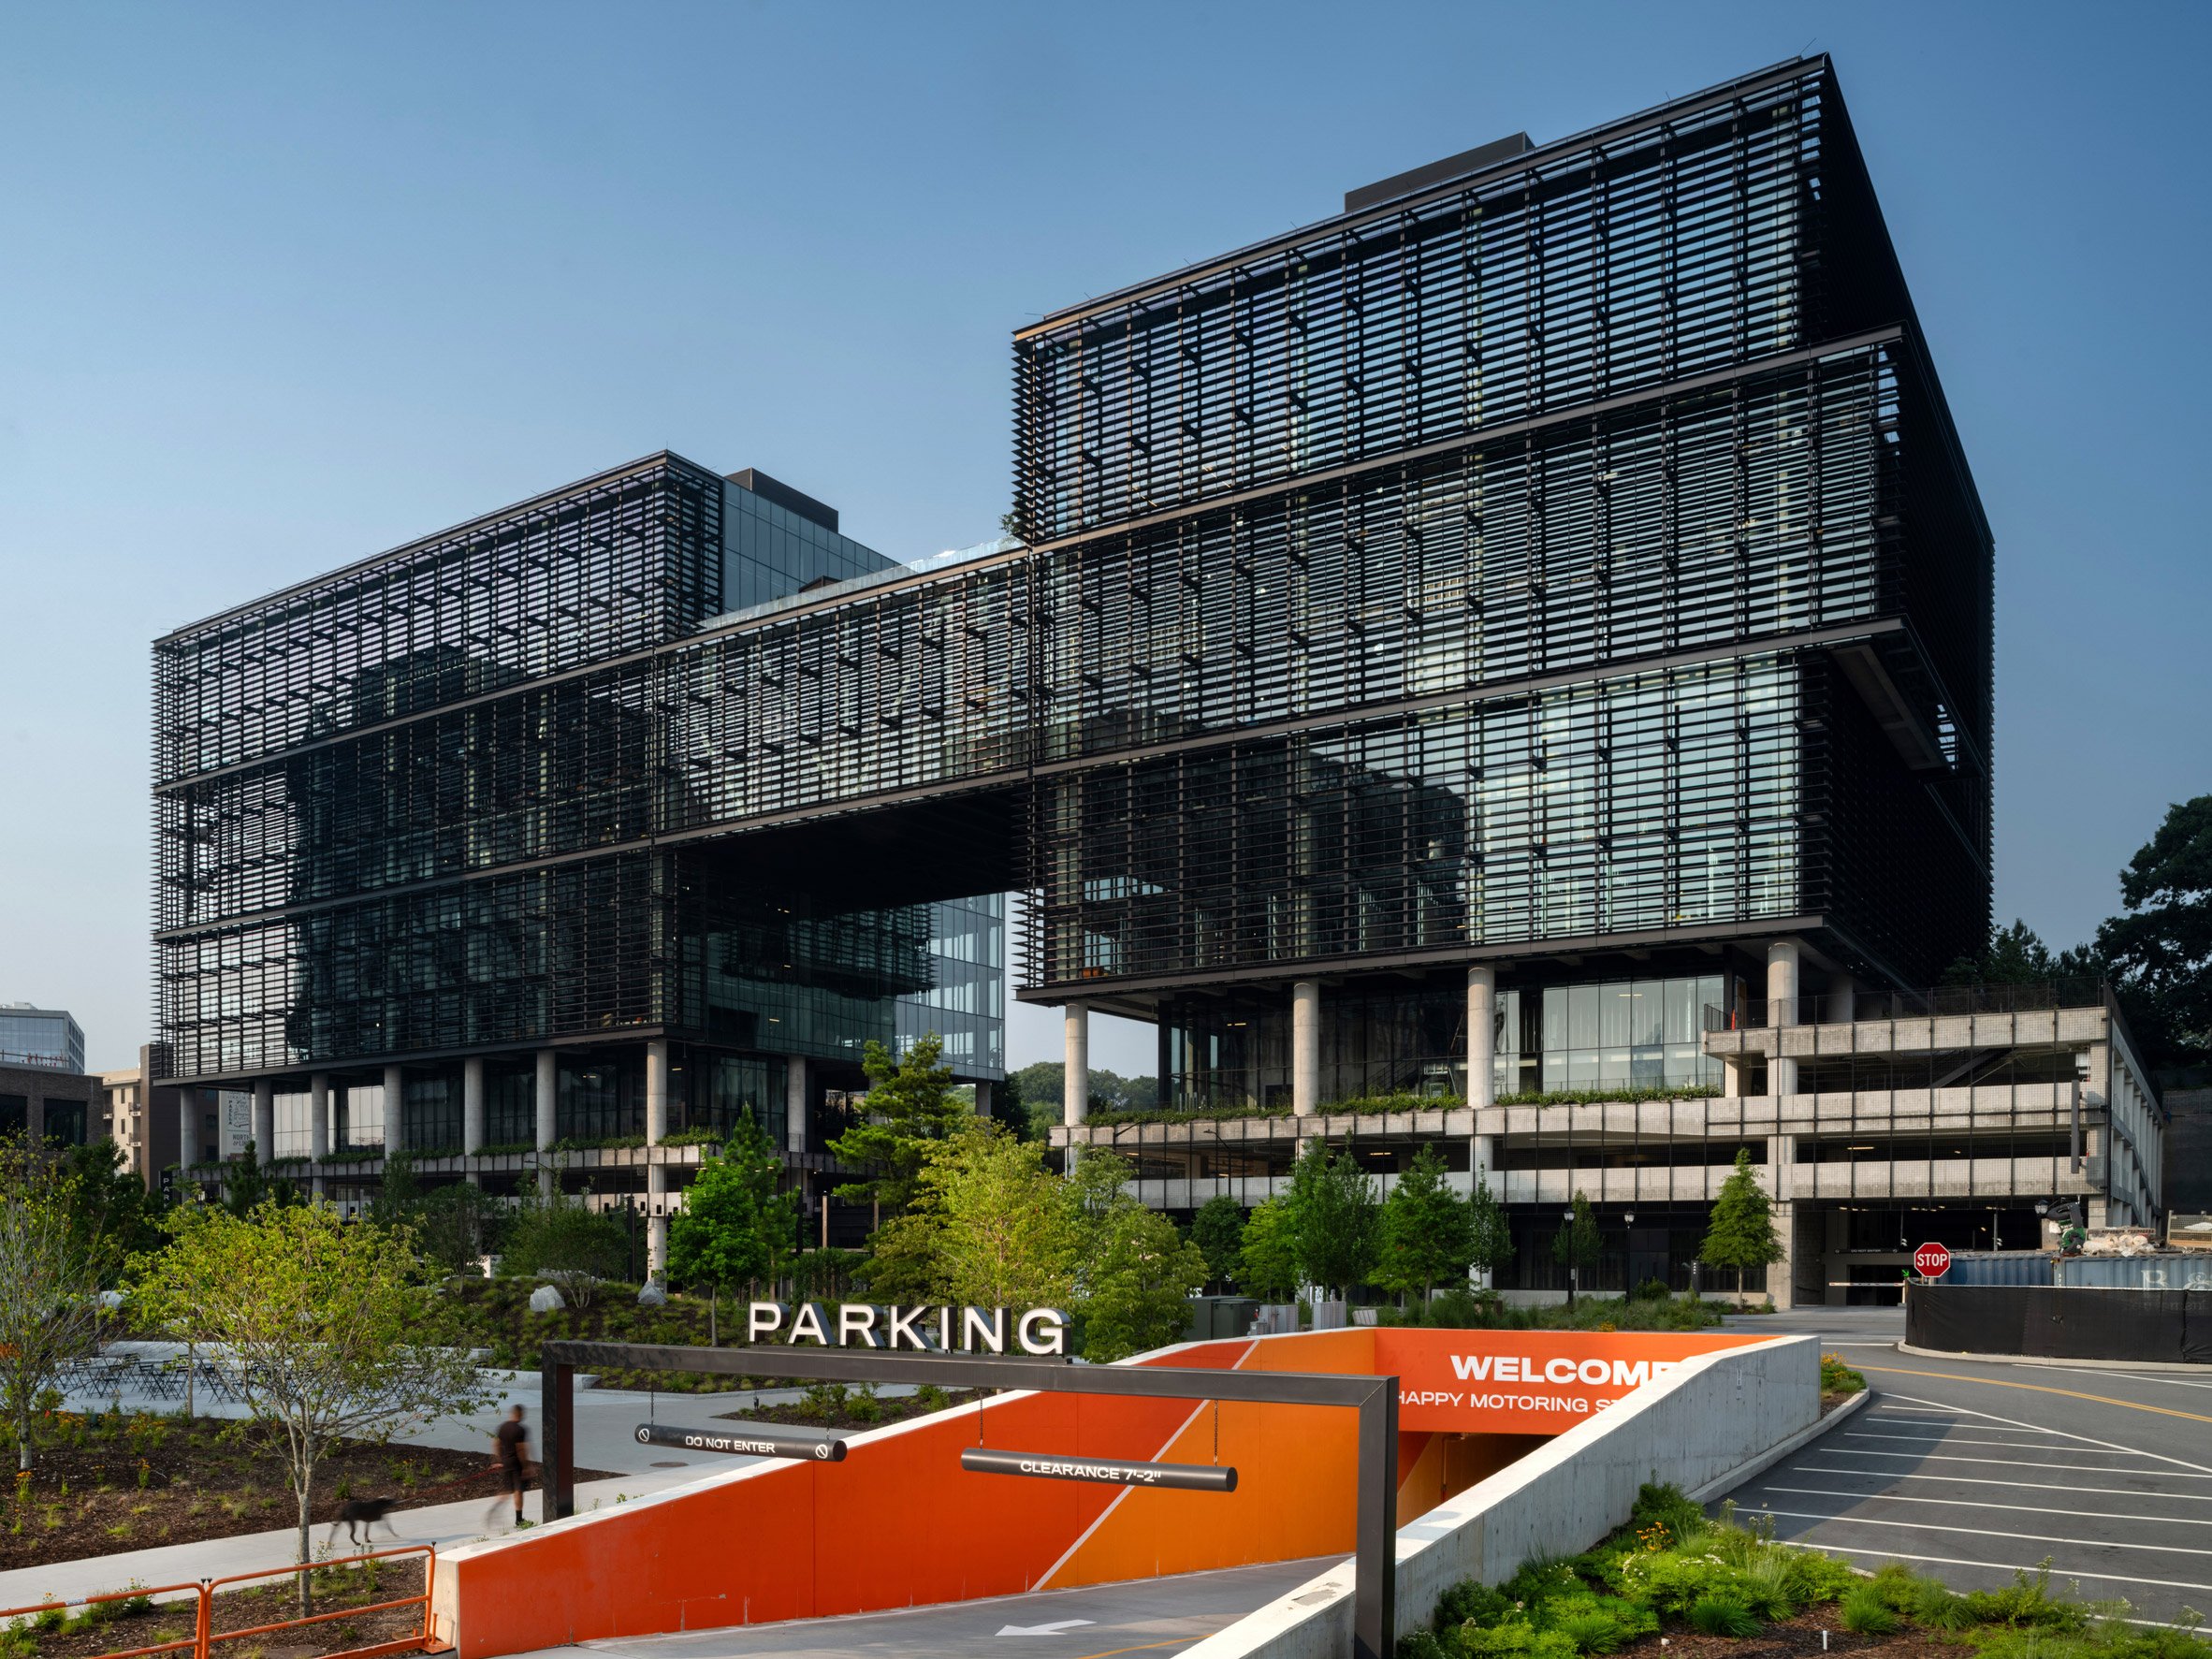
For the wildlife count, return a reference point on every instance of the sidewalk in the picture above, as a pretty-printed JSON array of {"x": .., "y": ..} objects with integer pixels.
[
  {"x": 606, "y": 1419},
  {"x": 606, "y": 1424}
]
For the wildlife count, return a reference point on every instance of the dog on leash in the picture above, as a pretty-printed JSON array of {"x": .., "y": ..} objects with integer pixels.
[{"x": 364, "y": 1513}]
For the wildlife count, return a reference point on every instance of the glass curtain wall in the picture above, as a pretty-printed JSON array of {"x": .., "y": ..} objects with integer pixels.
[
  {"x": 966, "y": 1003},
  {"x": 1228, "y": 1054},
  {"x": 433, "y": 1121},
  {"x": 291, "y": 1136}
]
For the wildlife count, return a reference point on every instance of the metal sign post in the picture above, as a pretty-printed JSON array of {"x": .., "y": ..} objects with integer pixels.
[{"x": 1375, "y": 1398}]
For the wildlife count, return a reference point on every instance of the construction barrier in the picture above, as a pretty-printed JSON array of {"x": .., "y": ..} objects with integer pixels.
[{"x": 2056, "y": 1322}]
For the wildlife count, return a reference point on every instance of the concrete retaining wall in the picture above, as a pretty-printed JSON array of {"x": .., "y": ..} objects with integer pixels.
[{"x": 1710, "y": 1419}]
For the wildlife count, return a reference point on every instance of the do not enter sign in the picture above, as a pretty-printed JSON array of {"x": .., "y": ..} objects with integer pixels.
[{"x": 1931, "y": 1262}]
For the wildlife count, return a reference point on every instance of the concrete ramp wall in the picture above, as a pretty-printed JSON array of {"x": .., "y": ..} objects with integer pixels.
[{"x": 1707, "y": 1423}]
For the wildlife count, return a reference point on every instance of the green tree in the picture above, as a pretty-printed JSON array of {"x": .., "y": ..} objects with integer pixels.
[
  {"x": 455, "y": 1224},
  {"x": 2159, "y": 951},
  {"x": 109, "y": 1208},
  {"x": 334, "y": 1332},
  {"x": 1098, "y": 1190},
  {"x": 910, "y": 1107},
  {"x": 2016, "y": 955},
  {"x": 558, "y": 1238},
  {"x": 51, "y": 1267},
  {"x": 1140, "y": 1286},
  {"x": 1426, "y": 1233},
  {"x": 1267, "y": 1258},
  {"x": 1334, "y": 1218},
  {"x": 735, "y": 1228},
  {"x": 1490, "y": 1235},
  {"x": 1040, "y": 1086},
  {"x": 989, "y": 1225},
  {"x": 1008, "y": 1233},
  {"x": 1740, "y": 1232},
  {"x": 398, "y": 1198},
  {"x": 1575, "y": 1245},
  {"x": 247, "y": 1184},
  {"x": 1218, "y": 1230}
]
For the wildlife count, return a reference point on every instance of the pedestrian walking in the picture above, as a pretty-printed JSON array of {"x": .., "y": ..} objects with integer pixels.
[{"x": 511, "y": 1447}]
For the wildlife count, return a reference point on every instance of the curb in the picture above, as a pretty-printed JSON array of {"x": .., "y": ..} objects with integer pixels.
[
  {"x": 1774, "y": 1454},
  {"x": 2185, "y": 1365}
]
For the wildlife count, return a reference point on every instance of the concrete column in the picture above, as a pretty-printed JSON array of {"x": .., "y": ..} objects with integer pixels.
[
  {"x": 264, "y": 1119},
  {"x": 394, "y": 1110},
  {"x": 1731, "y": 1078},
  {"x": 1782, "y": 979},
  {"x": 794, "y": 1104},
  {"x": 472, "y": 1110},
  {"x": 548, "y": 1104},
  {"x": 318, "y": 1124},
  {"x": 1075, "y": 1082},
  {"x": 656, "y": 1131},
  {"x": 1483, "y": 1019},
  {"x": 188, "y": 1142},
  {"x": 1306, "y": 1048}
]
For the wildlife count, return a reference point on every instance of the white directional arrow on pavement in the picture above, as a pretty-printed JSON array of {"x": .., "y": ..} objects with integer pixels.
[{"x": 1053, "y": 1629}]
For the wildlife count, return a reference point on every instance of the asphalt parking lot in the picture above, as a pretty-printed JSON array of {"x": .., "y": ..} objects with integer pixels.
[{"x": 1973, "y": 1470}]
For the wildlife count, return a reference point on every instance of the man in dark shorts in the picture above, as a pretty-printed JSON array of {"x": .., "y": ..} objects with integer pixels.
[{"x": 511, "y": 1445}]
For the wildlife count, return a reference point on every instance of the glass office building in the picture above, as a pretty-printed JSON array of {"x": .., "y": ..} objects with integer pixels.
[
  {"x": 42, "y": 1037},
  {"x": 421, "y": 819},
  {"x": 1559, "y": 566}
]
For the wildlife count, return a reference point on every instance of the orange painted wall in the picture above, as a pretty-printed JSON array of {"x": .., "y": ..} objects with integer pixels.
[{"x": 900, "y": 1523}]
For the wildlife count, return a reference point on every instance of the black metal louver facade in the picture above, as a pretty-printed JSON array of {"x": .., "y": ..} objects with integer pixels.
[
  {"x": 1470, "y": 574},
  {"x": 1572, "y": 557}
]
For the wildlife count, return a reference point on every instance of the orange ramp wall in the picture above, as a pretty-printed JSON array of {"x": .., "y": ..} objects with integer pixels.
[{"x": 899, "y": 1523}]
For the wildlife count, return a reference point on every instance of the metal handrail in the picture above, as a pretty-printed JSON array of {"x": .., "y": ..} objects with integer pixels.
[
  {"x": 201, "y": 1644},
  {"x": 181, "y": 1645},
  {"x": 407, "y": 1644},
  {"x": 1822, "y": 1008}
]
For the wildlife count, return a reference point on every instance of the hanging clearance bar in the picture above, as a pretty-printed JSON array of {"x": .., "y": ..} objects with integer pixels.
[
  {"x": 1042, "y": 1466},
  {"x": 748, "y": 1440}
]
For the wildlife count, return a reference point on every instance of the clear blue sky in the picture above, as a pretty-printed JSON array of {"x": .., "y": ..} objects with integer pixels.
[{"x": 283, "y": 284}]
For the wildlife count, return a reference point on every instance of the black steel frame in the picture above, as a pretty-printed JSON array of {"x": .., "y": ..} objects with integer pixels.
[{"x": 1375, "y": 1398}]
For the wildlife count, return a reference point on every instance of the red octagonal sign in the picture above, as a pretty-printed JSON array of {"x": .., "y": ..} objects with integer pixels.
[{"x": 1931, "y": 1260}]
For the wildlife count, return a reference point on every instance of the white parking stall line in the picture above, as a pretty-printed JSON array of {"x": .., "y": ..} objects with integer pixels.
[
  {"x": 1970, "y": 1440},
  {"x": 1889, "y": 1414},
  {"x": 1913, "y": 1417},
  {"x": 1995, "y": 1566},
  {"x": 2085, "y": 1439},
  {"x": 1934, "y": 1457},
  {"x": 2113, "y": 1492},
  {"x": 1973, "y": 1532},
  {"x": 1891, "y": 1498}
]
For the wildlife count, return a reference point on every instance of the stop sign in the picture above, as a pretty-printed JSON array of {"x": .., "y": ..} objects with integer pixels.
[{"x": 1931, "y": 1260}]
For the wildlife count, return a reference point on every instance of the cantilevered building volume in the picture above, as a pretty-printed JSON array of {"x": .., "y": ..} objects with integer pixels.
[{"x": 1528, "y": 634}]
